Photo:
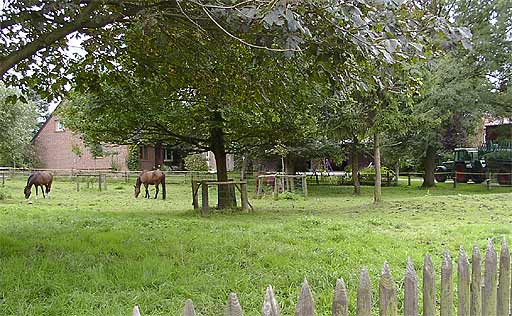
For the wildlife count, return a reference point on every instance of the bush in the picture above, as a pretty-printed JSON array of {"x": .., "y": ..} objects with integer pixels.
[
  {"x": 499, "y": 155},
  {"x": 3, "y": 195},
  {"x": 132, "y": 161},
  {"x": 196, "y": 162},
  {"x": 368, "y": 175}
]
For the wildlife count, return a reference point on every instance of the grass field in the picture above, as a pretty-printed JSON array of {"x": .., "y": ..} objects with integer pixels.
[{"x": 92, "y": 253}]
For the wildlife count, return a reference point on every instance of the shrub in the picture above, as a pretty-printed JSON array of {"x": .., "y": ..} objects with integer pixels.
[
  {"x": 3, "y": 195},
  {"x": 368, "y": 175},
  {"x": 196, "y": 162},
  {"x": 132, "y": 161}
]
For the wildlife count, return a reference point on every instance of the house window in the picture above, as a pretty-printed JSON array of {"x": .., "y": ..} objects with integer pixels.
[
  {"x": 143, "y": 152},
  {"x": 168, "y": 154},
  {"x": 59, "y": 127}
]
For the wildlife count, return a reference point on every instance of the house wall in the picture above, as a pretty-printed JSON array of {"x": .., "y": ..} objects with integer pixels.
[
  {"x": 54, "y": 149},
  {"x": 212, "y": 167},
  {"x": 147, "y": 163}
]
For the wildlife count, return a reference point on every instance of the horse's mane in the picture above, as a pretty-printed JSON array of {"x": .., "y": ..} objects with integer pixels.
[{"x": 30, "y": 178}]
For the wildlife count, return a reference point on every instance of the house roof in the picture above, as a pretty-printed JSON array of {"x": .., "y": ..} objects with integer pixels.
[
  {"x": 496, "y": 122},
  {"x": 44, "y": 124}
]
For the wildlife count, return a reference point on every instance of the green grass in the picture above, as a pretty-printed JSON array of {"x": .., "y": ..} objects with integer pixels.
[{"x": 92, "y": 253}]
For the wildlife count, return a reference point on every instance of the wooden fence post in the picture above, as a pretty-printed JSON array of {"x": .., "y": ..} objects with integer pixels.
[
  {"x": 410, "y": 290},
  {"x": 429, "y": 288},
  {"x": 455, "y": 180},
  {"x": 463, "y": 293},
  {"x": 189, "y": 310},
  {"x": 364, "y": 295},
  {"x": 476, "y": 283},
  {"x": 77, "y": 183},
  {"x": 490, "y": 280},
  {"x": 276, "y": 187},
  {"x": 305, "y": 306},
  {"x": 195, "y": 193},
  {"x": 99, "y": 182},
  {"x": 3, "y": 179},
  {"x": 258, "y": 186},
  {"x": 305, "y": 186},
  {"x": 204, "y": 191},
  {"x": 446, "y": 286},
  {"x": 408, "y": 179},
  {"x": 387, "y": 293},
  {"x": 243, "y": 195},
  {"x": 340, "y": 299},
  {"x": 233, "y": 307},
  {"x": 504, "y": 280},
  {"x": 270, "y": 306}
]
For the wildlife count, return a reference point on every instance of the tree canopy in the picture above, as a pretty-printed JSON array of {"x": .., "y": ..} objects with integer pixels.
[{"x": 18, "y": 120}]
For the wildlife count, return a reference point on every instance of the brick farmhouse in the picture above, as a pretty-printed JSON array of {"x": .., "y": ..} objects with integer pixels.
[{"x": 59, "y": 148}]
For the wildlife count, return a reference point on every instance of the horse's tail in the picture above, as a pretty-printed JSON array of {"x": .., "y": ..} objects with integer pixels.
[{"x": 163, "y": 186}]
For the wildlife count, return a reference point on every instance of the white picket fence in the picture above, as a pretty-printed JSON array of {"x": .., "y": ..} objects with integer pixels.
[{"x": 490, "y": 298}]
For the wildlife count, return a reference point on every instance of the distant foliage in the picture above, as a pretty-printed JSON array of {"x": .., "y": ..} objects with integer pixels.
[
  {"x": 18, "y": 120},
  {"x": 114, "y": 165},
  {"x": 196, "y": 162},
  {"x": 3, "y": 195},
  {"x": 132, "y": 161}
]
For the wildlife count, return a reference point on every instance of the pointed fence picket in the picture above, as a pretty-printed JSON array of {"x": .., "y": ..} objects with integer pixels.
[{"x": 492, "y": 298}]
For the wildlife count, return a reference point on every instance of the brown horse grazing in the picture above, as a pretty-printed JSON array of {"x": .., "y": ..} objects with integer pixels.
[
  {"x": 39, "y": 179},
  {"x": 155, "y": 178}
]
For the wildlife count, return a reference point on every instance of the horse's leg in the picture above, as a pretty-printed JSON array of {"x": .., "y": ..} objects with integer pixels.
[
  {"x": 147, "y": 191},
  {"x": 42, "y": 190},
  {"x": 37, "y": 193},
  {"x": 156, "y": 194},
  {"x": 48, "y": 189}
]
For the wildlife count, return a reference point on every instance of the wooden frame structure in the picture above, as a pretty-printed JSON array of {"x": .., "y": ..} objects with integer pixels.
[
  {"x": 89, "y": 177},
  {"x": 282, "y": 181},
  {"x": 204, "y": 184}
]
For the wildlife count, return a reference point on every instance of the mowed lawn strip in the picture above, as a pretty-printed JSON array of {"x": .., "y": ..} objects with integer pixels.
[{"x": 101, "y": 253}]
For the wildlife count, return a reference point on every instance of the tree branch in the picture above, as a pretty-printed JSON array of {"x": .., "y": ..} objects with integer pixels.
[{"x": 45, "y": 40}]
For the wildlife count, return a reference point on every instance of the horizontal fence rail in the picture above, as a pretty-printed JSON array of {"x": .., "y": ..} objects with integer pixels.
[{"x": 477, "y": 295}]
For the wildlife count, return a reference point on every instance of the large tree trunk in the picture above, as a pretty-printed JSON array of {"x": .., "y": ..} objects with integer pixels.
[
  {"x": 244, "y": 168},
  {"x": 429, "y": 165},
  {"x": 225, "y": 194},
  {"x": 290, "y": 169},
  {"x": 397, "y": 171},
  {"x": 355, "y": 166},
  {"x": 159, "y": 157},
  {"x": 377, "y": 193}
]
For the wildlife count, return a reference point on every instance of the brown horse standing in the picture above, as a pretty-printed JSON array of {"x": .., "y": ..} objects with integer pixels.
[
  {"x": 155, "y": 178},
  {"x": 39, "y": 179}
]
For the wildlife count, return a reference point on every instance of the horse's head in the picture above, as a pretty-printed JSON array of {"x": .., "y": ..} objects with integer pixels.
[
  {"x": 137, "y": 190},
  {"x": 27, "y": 192}
]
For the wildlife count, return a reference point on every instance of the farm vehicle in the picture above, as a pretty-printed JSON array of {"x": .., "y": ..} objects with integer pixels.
[{"x": 477, "y": 165}]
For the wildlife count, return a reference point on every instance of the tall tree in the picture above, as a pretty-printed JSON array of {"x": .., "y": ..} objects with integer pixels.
[
  {"x": 464, "y": 87},
  {"x": 37, "y": 35},
  {"x": 17, "y": 122},
  {"x": 185, "y": 86}
]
